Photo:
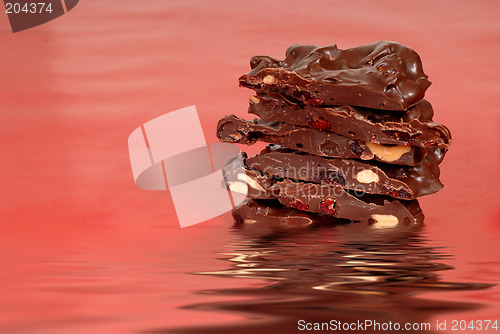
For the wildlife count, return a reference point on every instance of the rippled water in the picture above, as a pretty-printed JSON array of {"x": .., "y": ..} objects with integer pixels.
[
  {"x": 346, "y": 273},
  {"x": 221, "y": 279}
]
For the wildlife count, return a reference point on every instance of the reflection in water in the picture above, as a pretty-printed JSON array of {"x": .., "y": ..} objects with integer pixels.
[{"x": 345, "y": 273}]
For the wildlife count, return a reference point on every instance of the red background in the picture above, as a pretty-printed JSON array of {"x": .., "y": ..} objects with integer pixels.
[{"x": 75, "y": 88}]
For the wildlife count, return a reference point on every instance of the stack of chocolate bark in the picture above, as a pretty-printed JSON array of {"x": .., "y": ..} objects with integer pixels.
[{"x": 350, "y": 135}]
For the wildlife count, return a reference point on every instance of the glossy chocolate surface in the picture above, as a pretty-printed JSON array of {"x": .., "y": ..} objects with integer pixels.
[
  {"x": 233, "y": 129},
  {"x": 381, "y": 75},
  {"x": 274, "y": 214},
  {"x": 413, "y": 127},
  {"x": 402, "y": 182},
  {"x": 333, "y": 200}
]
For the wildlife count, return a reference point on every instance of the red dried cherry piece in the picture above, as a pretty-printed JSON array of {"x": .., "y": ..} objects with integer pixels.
[
  {"x": 299, "y": 205},
  {"x": 315, "y": 102},
  {"x": 328, "y": 206},
  {"x": 319, "y": 123},
  {"x": 398, "y": 135}
]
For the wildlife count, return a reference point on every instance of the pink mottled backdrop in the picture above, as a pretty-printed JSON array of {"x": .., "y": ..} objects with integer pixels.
[{"x": 83, "y": 250}]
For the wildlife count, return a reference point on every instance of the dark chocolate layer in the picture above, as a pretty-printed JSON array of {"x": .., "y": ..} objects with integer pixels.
[
  {"x": 236, "y": 130},
  {"x": 274, "y": 214},
  {"x": 402, "y": 182},
  {"x": 334, "y": 201},
  {"x": 382, "y": 75},
  {"x": 414, "y": 127}
]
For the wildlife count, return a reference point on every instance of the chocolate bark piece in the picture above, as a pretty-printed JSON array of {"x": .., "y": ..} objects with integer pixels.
[
  {"x": 263, "y": 216},
  {"x": 414, "y": 127},
  {"x": 402, "y": 182},
  {"x": 246, "y": 181},
  {"x": 381, "y": 75},
  {"x": 333, "y": 200},
  {"x": 233, "y": 129},
  {"x": 276, "y": 215}
]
